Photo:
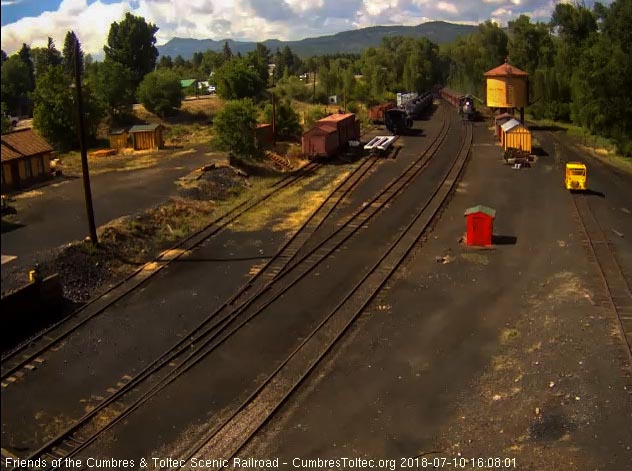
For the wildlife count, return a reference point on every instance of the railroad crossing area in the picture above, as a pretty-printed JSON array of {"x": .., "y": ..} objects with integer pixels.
[{"x": 371, "y": 330}]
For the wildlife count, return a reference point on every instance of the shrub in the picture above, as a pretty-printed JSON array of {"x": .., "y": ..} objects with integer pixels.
[
  {"x": 160, "y": 92},
  {"x": 235, "y": 126}
]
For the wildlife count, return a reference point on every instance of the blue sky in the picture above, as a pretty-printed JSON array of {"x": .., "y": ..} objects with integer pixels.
[
  {"x": 32, "y": 21},
  {"x": 13, "y": 10}
]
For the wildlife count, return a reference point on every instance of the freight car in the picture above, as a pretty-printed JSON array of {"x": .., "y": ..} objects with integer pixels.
[
  {"x": 330, "y": 135},
  {"x": 416, "y": 107},
  {"x": 376, "y": 113}
]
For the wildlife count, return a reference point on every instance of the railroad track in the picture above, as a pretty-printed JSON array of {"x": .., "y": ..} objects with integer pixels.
[
  {"x": 208, "y": 335},
  {"x": 71, "y": 440},
  {"x": 28, "y": 356},
  {"x": 228, "y": 438},
  {"x": 618, "y": 293}
]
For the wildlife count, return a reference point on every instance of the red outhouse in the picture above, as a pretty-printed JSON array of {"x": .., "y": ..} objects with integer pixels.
[{"x": 480, "y": 225}]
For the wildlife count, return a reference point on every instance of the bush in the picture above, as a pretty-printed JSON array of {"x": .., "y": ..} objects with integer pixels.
[
  {"x": 313, "y": 114},
  {"x": 160, "y": 92},
  {"x": 287, "y": 123},
  {"x": 353, "y": 107},
  {"x": 235, "y": 126}
]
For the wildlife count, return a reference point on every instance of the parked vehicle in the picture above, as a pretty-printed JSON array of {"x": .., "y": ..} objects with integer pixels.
[
  {"x": 6, "y": 208},
  {"x": 56, "y": 167},
  {"x": 13, "y": 120},
  {"x": 576, "y": 176}
]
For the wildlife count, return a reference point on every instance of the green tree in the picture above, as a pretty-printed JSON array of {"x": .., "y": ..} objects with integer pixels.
[
  {"x": 3, "y": 56},
  {"x": 4, "y": 121},
  {"x": 227, "y": 54},
  {"x": 259, "y": 59},
  {"x": 287, "y": 122},
  {"x": 236, "y": 79},
  {"x": 68, "y": 54},
  {"x": 165, "y": 62},
  {"x": 44, "y": 57},
  {"x": 14, "y": 83},
  {"x": 235, "y": 126},
  {"x": 131, "y": 43},
  {"x": 25, "y": 56},
  {"x": 179, "y": 61},
  {"x": 115, "y": 88},
  {"x": 160, "y": 92},
  {"x": 55, "y": 114}
]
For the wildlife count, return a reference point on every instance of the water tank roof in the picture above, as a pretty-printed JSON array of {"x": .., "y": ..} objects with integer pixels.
[{"x": 504, "y": 70}]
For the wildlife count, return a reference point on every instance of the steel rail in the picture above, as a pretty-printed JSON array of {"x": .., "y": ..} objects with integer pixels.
[
  {"x": 275, "y": 264},
  {"x": 228, "y": 438},
  {"x": 618, "y": 292},
  {"x": 27, "y": 353},
  {"x": 75, "y": 445},
  {"x": 200, "y": 351}
]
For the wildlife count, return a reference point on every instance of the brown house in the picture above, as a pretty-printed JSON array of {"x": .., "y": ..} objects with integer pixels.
[
  {"x": 25, "y": 159},
  {"x": 147, "y": 136}
]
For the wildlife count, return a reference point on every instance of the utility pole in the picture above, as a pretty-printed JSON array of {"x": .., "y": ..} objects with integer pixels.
[
  {"x": 84, "y": 149},
  {"x": 273, "y": 119},
  {"x": 314, "y": 93}
]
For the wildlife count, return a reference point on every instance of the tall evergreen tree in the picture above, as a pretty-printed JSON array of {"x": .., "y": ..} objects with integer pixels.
[
  {"x": 25, "y": 56},
  {"x": 69, "y": 53},
  {"x": 131, "y": 43}
]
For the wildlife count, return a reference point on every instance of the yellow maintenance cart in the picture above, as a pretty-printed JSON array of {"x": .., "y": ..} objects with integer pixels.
[{"x": 575, "y": 176}]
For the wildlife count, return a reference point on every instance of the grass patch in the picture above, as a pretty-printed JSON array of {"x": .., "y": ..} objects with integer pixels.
[{"x": 598, "y": 147}]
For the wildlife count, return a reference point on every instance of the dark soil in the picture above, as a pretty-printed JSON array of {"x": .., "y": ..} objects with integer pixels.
[{"x": 217, "y": 183}]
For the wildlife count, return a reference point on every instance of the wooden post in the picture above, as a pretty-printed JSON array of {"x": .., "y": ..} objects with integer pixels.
[
  {"x": 84, "y": 150},
  {"x": 273, "y": 120}
]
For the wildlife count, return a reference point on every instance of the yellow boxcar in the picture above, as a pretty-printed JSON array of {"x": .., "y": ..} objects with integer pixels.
[{"x": 575, "y": 176}]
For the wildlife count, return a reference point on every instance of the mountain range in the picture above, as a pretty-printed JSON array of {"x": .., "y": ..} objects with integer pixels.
[{"x": 353, "y": 41}]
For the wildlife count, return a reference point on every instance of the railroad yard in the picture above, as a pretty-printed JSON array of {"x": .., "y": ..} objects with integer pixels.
[{"x": 359, "y": 326}]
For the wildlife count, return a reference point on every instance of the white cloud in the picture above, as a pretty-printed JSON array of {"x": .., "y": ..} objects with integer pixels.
[
  {"x": 447, "y": 7},
  {"x": 253, "y": 20},
  {"x": 501, "y": 12}
]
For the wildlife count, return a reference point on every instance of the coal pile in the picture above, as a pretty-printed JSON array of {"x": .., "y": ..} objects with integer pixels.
[{"x": 213, "y": 183}]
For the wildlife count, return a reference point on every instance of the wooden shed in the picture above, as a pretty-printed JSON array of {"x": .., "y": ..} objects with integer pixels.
[
  {"x": 516, "y": 136},
  {"x": 147, "y": 136},
  {"x": 118, "y": 139},
  {"x": 320, "y": 141},
  {"x": 25, "y": 158},
  {"x": 344, "y": 123},
  {"x": 264, "y": 136},
  {"x": 479, "y": 225}
]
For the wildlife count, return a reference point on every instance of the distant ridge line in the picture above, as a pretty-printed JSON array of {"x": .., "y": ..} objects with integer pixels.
[{"x": 352, "y": 41}]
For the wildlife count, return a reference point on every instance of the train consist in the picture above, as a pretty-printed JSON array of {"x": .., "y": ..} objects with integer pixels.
[
  {"x": 464, "y": 103},
  {"x": 398, "y": 119}
]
